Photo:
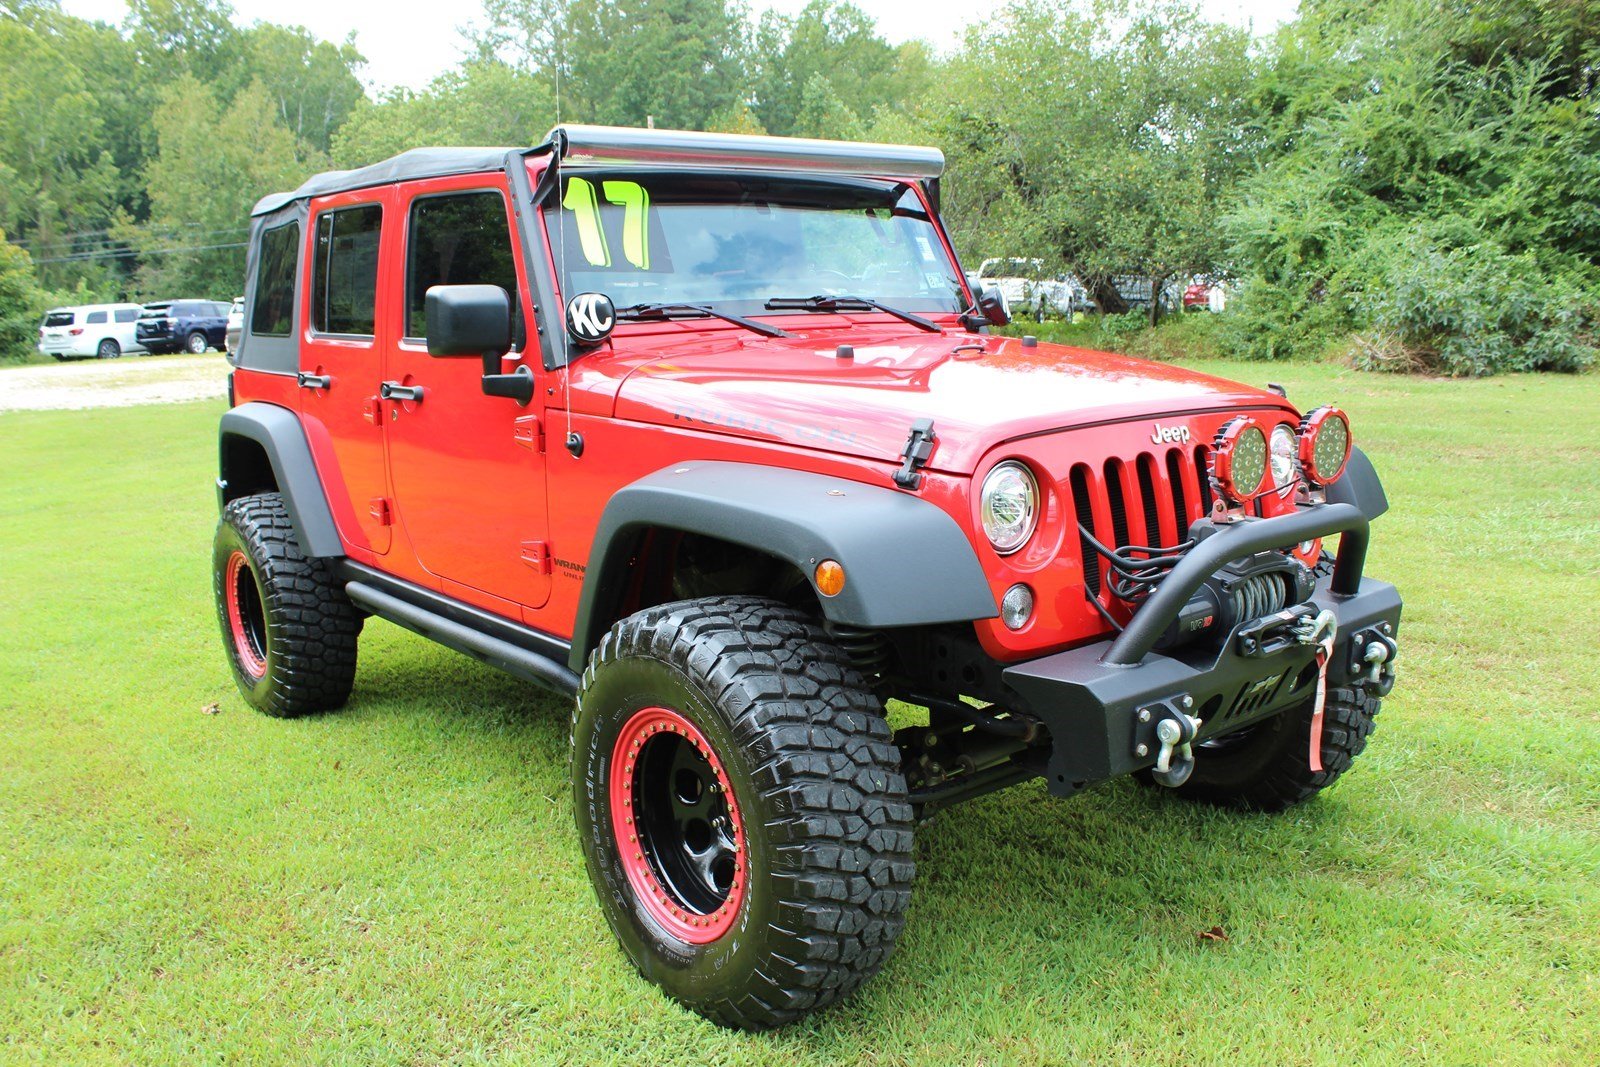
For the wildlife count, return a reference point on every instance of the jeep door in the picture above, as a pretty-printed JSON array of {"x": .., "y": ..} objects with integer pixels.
[
  {"x": 341, "y": 357},
  {"x": 468, "y": 470}
]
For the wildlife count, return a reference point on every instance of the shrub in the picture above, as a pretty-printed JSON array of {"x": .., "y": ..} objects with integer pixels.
[{"x": 1477, "y": 310}]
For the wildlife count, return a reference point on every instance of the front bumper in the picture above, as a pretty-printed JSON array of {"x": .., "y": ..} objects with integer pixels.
[{"x": 1091, "y": 698}]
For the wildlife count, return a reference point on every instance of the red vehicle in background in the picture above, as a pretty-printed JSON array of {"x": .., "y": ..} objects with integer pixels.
[
  {"x": 710, "y": 435},
  {"x": 1197, "y": 297}
]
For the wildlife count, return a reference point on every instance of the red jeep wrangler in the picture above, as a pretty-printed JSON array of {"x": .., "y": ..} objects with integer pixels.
[{"x": 709, "y": 434}]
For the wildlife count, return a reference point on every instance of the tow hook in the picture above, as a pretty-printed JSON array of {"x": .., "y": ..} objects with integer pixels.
[
  {"x": 1372, "y": 654},
  {"x": 1175, "y": 759}
]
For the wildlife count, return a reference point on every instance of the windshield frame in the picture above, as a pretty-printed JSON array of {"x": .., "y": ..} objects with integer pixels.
[{"x": 554, "y": 187}]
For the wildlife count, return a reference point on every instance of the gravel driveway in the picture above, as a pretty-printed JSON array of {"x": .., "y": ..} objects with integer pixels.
[{"x": 114, "y": 383}]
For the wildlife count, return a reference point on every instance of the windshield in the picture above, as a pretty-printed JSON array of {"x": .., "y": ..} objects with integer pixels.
[{"x": 736, "y": 242}]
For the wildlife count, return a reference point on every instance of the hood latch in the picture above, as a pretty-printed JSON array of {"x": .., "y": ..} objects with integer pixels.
[{"x": 919, "y": 446}]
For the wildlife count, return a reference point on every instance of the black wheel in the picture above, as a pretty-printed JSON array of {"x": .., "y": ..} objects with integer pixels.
[
  {"x": 1267, "y": 767},
  {"x": 109, "y": 349},
  {"x": 289, "y": 630},
  {"x": 741, "y": 807},
  {"x": 196, "y": 343}
]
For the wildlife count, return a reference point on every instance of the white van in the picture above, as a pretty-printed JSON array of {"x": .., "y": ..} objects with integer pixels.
[{"x": 104, "y": 331}]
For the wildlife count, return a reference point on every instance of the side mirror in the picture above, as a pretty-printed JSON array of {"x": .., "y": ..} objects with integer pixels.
[
  {"x": 992, "y": 306},
  {"x": 475, "y": 320},
  {"x": 468, "y": 320}
]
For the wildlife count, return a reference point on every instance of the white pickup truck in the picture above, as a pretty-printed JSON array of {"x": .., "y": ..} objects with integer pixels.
[{"x": 1028, "y": 291}]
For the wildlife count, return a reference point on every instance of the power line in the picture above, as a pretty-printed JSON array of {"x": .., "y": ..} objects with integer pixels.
[
  {"x": 130, "y": 253},
  {"x": 105, "y": 234}
]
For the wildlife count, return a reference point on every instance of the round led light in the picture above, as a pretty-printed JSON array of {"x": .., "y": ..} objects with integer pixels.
[
  {"x": 1285, "y": 448},
  {"x": 1239, "y": 460},
  {"x": 1008, "y": 506},
  {"x": 1324, "y": 445},
  {"x": 1016, "y": 607}
]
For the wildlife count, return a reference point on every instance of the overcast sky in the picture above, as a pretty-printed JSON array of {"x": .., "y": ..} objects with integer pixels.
[{"x": 410, "y": 47}]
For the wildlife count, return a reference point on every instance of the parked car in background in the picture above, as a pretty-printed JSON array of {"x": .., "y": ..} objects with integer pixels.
[
  {"x": 1197, "y": 297},
  {"x": 1026, "y": 290},
  {"x": 104, "y": 331},
  {"x": 235, "y": 324},
  {"x": 191, "y": 325}
]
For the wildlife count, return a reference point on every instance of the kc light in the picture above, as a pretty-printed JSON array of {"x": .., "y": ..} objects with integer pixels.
[
  {"x": 1008, "y": 506},
  {"x": 1239, "y": 459},
  {"x": 1285, "y": 455},
  {"x": 1324, "y": 445}
]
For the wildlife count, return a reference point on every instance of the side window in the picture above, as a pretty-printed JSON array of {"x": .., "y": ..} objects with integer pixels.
[
  {"x": 344, "y": 278},
  {"x": 272, "y": 313},
  {"x": 460, "y": 239},
  {"x": 95, "y": 318},
  {"x": 127, "y": 315}
]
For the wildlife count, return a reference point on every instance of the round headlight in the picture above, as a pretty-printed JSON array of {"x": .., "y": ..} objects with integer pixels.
[
  {"x": 1239, "y": 461},
  {"x": 1324, "y": 445},
  {"x": 1285, "y": 455},
  {"x": 1009, "y": 506}
]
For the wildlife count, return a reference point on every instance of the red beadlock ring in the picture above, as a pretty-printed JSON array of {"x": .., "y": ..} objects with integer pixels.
[
  {"x": 250, "y": 647},
  {"x": 671, "y": 909}
]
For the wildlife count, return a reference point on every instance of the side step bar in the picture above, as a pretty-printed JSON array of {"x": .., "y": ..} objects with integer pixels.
[{"x": 522, "y": 662}]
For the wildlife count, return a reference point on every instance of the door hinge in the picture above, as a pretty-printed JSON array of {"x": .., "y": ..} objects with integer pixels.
[
  {"x": 919, "y": 446},
  {"x": 536, "y": 554},
  {"x": 528, "y": 433},
  {"x": 381, "y": 514}
]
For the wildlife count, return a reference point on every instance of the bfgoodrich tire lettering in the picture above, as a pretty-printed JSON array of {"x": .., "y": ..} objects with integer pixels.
[
  {"x": 288, "y": 628},
  {"x": 1268, "y": 767},
  {"x": 816, "y": 781}
]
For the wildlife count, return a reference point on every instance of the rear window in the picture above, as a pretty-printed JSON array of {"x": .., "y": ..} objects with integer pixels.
[
  {"x": 95, "y": 318},
  {"x": 272, "y": 312},
  {"x": 187, "y": 309},
  {"x": 344, "y": 279},
  {"x": 59, "y": 318},
  {"x": 127, "y": 314},
  {"x": 156, "y": 311}
]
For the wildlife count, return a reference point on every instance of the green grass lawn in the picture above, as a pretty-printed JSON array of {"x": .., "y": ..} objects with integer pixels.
[{"x": 399, "y": 883}]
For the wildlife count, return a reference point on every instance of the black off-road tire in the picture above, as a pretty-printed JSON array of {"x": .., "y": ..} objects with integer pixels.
[
  {"x": 815, "y": 777},
  {"x": 288, "y": 628},
  {"x": 1268, "y": 768}
]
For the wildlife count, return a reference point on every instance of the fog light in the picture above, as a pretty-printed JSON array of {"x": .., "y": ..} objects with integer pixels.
[{"x": 1016, "y": 607}]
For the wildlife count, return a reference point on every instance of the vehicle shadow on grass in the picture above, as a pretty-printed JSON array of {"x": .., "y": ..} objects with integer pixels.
[{"x": 1103, "y": 895}]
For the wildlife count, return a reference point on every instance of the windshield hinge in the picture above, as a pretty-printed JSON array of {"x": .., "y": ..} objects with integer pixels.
[{"x": 919, "y": 446}]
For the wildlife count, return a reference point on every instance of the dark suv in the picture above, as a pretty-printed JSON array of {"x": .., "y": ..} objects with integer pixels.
[{"x": 193, "y": 325}]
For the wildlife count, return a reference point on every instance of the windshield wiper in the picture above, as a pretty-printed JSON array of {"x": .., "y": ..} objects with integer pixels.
[
  {"x": 822, "y": 302},
  {"x": 668, "y": 311}
]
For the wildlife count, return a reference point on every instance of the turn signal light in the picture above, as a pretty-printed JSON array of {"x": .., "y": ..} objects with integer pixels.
[{"x": 830, "y": 577}]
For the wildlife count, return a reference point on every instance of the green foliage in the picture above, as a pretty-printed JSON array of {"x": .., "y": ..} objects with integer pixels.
[
  {"x": 1435, "y": 186},
  {"x": 212, "y": 162},
  {"x": 484, "y": 102},
  {"x": 1103, "y": 139},
  {"x": 22, "y": 303}
]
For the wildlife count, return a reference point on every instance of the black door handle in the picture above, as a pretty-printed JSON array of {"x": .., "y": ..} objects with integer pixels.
[
  {"x": 313, "y": 381},
  {"x": 396, "y": 391}
]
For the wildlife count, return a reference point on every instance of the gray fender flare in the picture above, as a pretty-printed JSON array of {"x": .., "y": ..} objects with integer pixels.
[
  {"x": 1359, "y": 485},
  {"x": 279, "y": 433},
  {"x": 906, "y": 562}
]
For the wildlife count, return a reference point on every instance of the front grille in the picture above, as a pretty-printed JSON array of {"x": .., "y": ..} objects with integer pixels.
[{"x": 1150, "y": 501}]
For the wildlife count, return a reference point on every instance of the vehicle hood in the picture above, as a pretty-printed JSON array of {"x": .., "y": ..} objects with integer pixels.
[{"x": 979, "y": 390}]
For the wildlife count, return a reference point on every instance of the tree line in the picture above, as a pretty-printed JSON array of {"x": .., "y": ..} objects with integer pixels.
[{"x": 1414, "y": 182}]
